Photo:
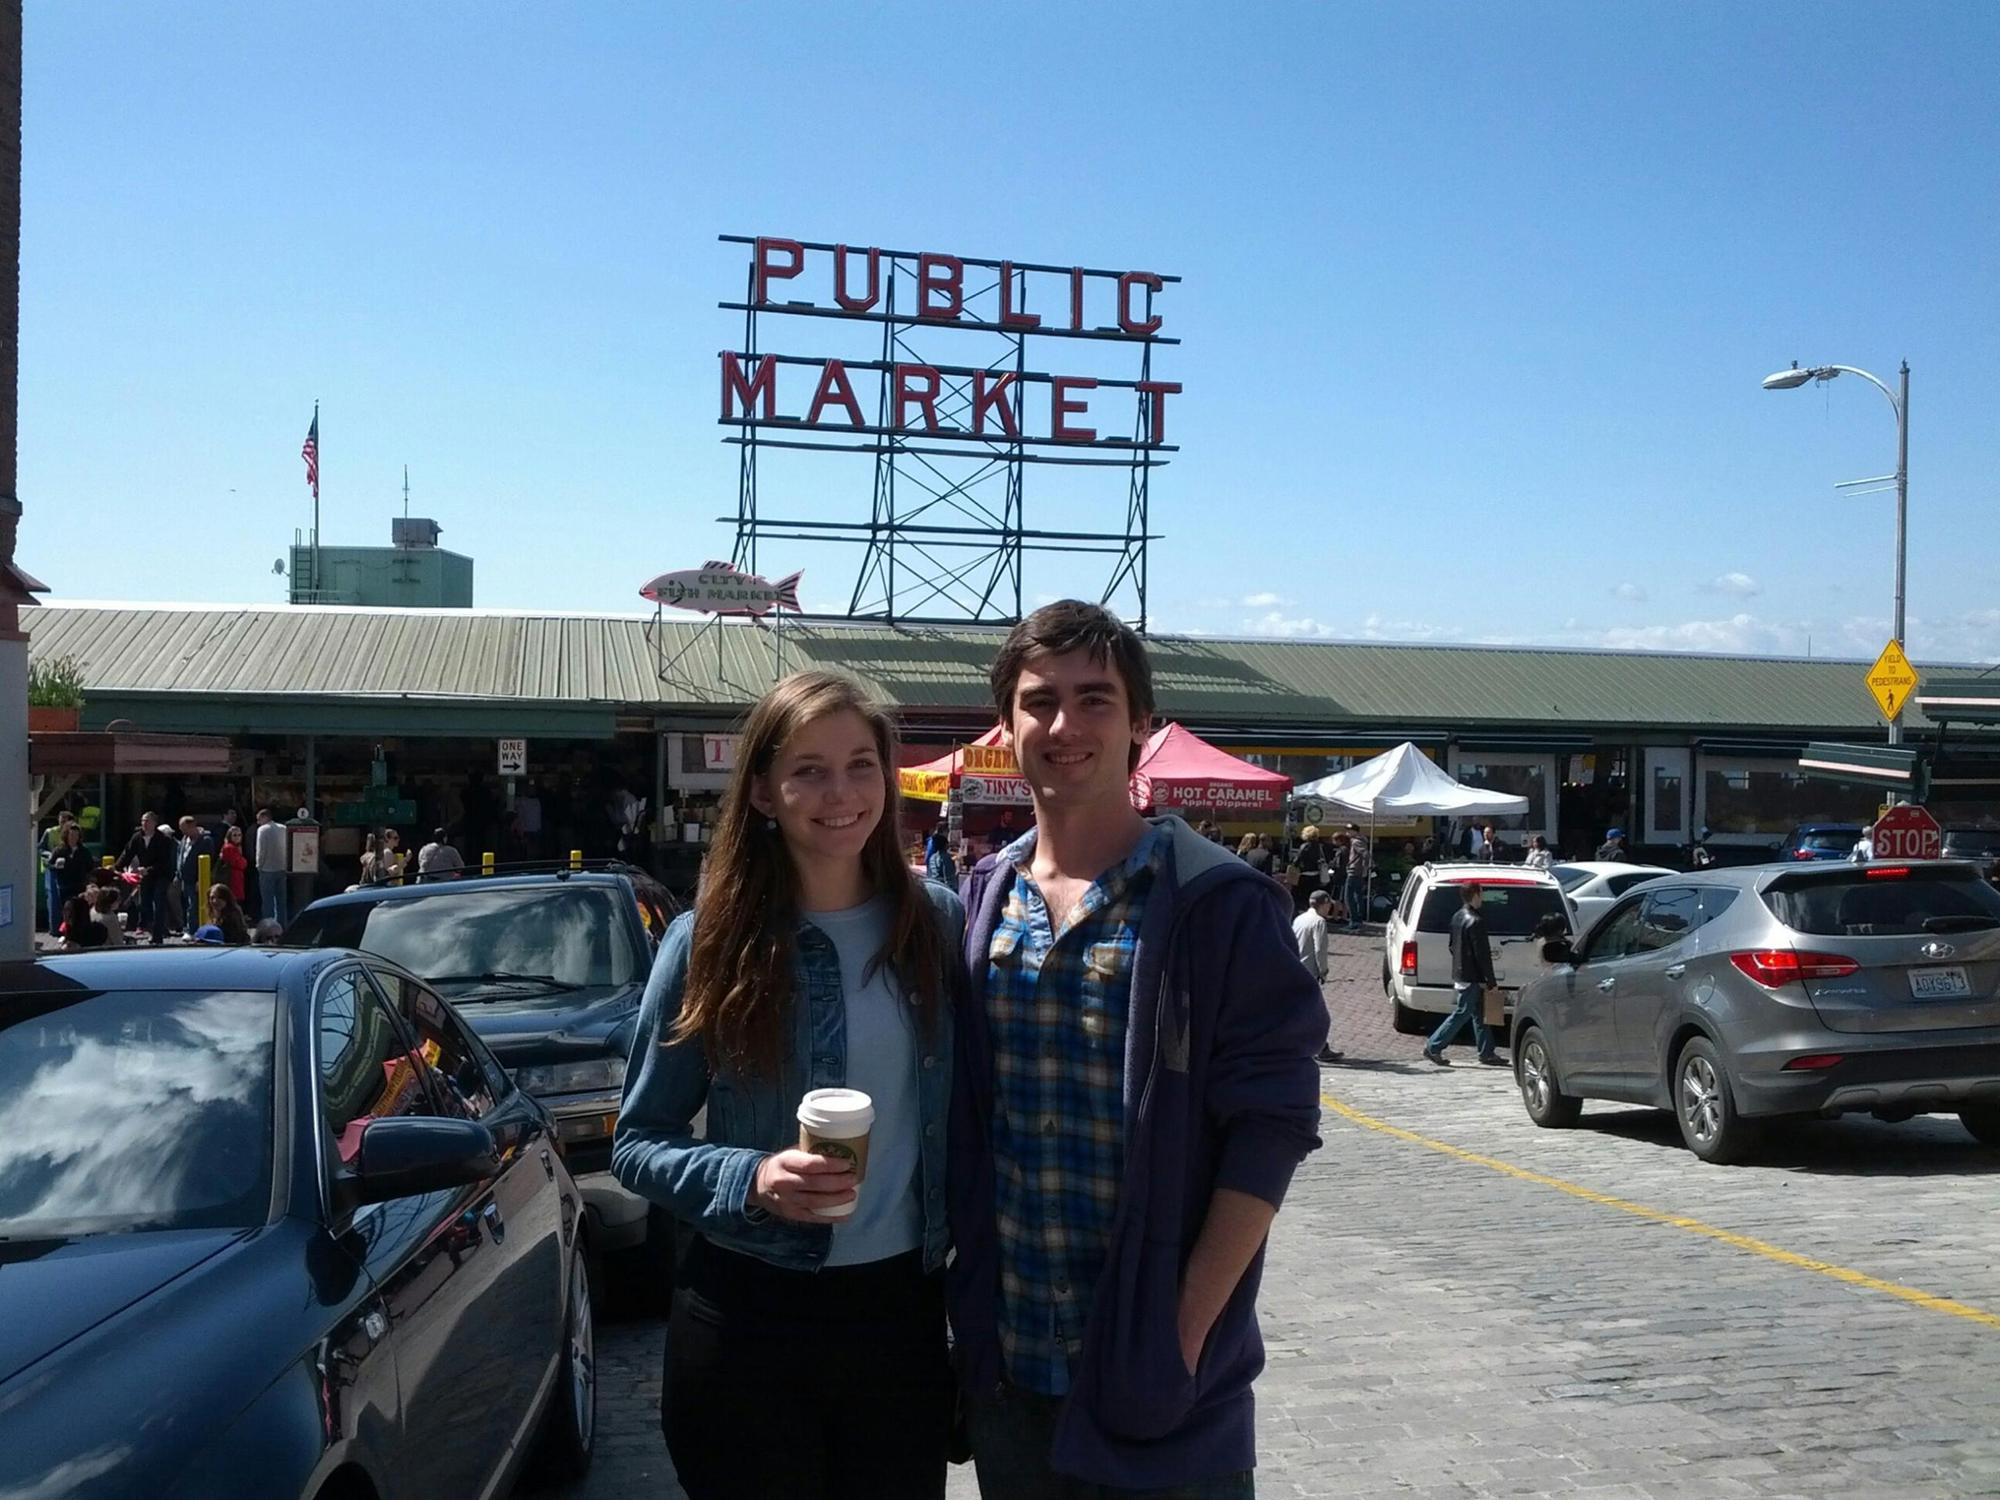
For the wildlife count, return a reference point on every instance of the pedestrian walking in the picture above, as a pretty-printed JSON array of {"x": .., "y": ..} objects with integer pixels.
[
  {"x": 1471, "y": 977},
  {"x": 1613, "y": 847},
  {"x": 814, "y": 960},
  {"x": 1310, "y": 930},
  {"x": 152, "y": 854},
  {"x": 1539, "y": 857},
  {"x": 437, "y": 860},
  {"x": 938, "y": 863},
  {"x": 1107, "y": 1249},
  {"x": 1360, "y": 866},
  {"x": 51, "y": 842},
  {"x": 195, "y": 846},
  {"x": 1864, "y": 847},
  {"x": 270, "y": 849},
  {"x": 70, "y": 865},
  {"x": 1313, "y": 864}
]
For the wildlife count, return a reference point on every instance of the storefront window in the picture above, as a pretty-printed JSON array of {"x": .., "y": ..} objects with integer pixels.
[
  {"x": 1522, "y": 776},
  {"x": 1762, "y": 801}
]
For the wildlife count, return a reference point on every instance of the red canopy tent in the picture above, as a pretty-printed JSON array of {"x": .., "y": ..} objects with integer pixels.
[
  {"x": 1179, "y": 770},
  {"x": 933, "y": 780}
]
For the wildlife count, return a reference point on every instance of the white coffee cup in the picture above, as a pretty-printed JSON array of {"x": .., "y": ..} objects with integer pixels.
[{"x": 835, "y": 1123}]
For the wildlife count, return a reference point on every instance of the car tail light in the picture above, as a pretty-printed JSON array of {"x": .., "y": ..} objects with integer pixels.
[
  {"x": 1772, "y": 967},
  {"x": 1888, "y": 872},
  {"x": 1802, "y": 854},
  {"x": 1818, "y": 1062},
  {"x": 1409, "y": 960}
]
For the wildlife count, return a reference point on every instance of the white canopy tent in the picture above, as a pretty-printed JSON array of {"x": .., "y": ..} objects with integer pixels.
[
  {"x": 1404, "y": 781},
  {"x": 1407, "y": 781}
]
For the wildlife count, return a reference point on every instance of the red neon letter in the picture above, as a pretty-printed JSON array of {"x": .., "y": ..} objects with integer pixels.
[
  {"x": 1076, "y": 297},
  {"x": 1059, "y": 407},
  {"x": 951, "y": 283},
  {"x": 763, "y": 385},
  {"x": 1125, "y": 284},
  {"x": 926, "y": 397},
  {"x": 767, "y": 268},
  {"x": 993, "y": 397},
  {"x": 834, "y": 390},
  {"x": 1008, "y": 317},
  {"x": 857, "y": 304},
  {"x": 1159, "y": 390}
]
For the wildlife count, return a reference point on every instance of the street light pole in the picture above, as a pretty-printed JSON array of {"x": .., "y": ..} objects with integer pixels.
[{"x": 1791, "y": 380}]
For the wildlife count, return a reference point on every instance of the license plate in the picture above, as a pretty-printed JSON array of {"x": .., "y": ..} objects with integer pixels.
[{"x": 1940, "y": 984}]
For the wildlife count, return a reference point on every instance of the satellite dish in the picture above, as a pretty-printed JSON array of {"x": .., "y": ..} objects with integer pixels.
[{"x": 278, "y": 567}]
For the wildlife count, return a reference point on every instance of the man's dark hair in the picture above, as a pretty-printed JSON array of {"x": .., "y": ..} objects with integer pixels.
[
  {"x": 1469, "y": 892},
  {"x": 437, "y": 836},
  {"x": 1072, "y": 625},
  {"x": 265, "y": 812}
]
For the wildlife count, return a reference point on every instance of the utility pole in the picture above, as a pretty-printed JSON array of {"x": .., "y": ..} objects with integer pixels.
[{"x": 18, "y": 872}]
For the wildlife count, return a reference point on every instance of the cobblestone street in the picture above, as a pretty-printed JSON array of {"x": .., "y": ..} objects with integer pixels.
[{"x": 1459, "y": 1304}]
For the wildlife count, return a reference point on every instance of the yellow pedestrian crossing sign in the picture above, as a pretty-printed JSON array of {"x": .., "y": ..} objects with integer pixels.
[{"x": 1891, "y": 680}]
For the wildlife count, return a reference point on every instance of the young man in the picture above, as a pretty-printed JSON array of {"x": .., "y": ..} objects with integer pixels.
[
  {"x": 271, "y": 877},
  {"x": 195, "y": 843},
  {"x": 1360, "y": 865},
  {"x": 1471, "y": 977},
  {"x": 153, "y": 852},
  {"x": 1314, "y": 938},
  {"x": 1135, "y": 1087}
]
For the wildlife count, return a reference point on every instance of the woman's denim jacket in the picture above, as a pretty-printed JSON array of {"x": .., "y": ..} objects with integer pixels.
[{"x": 706, "y": 1182}]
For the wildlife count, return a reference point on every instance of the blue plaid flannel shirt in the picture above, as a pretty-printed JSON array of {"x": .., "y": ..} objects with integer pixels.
[{"x": 1057, "y": 1003}]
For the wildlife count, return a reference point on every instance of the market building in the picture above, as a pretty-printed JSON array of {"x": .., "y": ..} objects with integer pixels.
[{"x": 393, "y": 717}]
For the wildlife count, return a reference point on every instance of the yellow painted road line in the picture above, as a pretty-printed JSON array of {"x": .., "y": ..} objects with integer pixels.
[{"x": 1742, "y": 1242}]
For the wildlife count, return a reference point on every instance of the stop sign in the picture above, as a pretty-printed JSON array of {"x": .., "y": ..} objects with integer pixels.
[{"x": 1908, "y": 832}]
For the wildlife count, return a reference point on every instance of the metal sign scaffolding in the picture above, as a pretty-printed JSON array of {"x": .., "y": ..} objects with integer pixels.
[{"x": 945, "y": 537}]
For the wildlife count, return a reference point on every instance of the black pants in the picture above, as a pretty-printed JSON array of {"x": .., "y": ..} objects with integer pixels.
[{"x": 806, "y": 1385}]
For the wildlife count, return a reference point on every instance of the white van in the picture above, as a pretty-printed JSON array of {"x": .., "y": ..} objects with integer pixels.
[{"x": 1416, "y": 960}]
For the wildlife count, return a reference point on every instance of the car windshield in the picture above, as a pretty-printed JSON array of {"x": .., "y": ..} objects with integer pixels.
[
  {"x": 510, "y": 937},
  {"x": 1510, "y": 910},
  {"x": 1886, "y": 901},
  {"x": 1569, "y": 877},
  {"x": 1842, "y": 839},
  {"x": 125, "y": 1110}
]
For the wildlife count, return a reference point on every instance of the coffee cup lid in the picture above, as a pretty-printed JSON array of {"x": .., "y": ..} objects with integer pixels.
[{"x": 822, "y": 1108}]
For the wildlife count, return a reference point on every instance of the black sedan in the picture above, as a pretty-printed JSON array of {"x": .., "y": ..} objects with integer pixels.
[{"x": 276, "y": 1224}]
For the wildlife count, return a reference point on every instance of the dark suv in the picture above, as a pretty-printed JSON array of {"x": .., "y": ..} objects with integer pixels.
[
  {"x": 548, "y": 968},
  {"x": 1818, "y": 842}
]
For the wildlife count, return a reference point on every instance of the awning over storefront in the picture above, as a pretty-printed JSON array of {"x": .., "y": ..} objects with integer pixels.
[{"x": 1177, "y": 770}]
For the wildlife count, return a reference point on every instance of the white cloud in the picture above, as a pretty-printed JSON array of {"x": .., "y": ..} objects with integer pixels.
[
  {"x": 1262, "y": 601},
  {"x": 1631, "y": 593},
  {"x": 1376, "y": 628},
  {"x": 1277, "y": 623},
  {"x": 1741, "y": 585},
  {"x": 1739, "y": 634}
]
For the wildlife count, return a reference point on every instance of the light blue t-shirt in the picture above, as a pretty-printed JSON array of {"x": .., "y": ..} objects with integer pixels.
[{"x": 888, "y": 1217}]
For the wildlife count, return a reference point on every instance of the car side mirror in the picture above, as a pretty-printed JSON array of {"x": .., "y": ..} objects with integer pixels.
[
  {"x": 1558, "y": 951},
  {"x": 403, "y": 1157}
]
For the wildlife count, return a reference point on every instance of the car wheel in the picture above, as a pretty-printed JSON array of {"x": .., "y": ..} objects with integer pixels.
[
  {"x": 569, "y": 1432},
  {"x": 1409, "y": 1022},
  {"x": 1983, "y": 1120},
  {"x": 1547, "y": 1105},
  {"x": 1706, "y": 1109}
]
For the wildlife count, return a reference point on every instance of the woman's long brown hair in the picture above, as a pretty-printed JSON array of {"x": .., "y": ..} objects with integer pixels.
[{"x": 738, "y": 997}]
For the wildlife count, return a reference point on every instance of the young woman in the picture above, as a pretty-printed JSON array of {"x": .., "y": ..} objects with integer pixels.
[
  {"x": 368, "y": 859},
  {"x": 806, "y": 1347},
  {"x": 226, "y": 914},
  {"x": 70, "y": 865},
  {"x": 234, "y": 862}
]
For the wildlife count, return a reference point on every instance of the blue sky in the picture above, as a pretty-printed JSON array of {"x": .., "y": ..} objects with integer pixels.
[{"x": 1475, "y": 300}]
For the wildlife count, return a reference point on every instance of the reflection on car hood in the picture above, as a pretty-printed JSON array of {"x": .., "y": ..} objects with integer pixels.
[
  {"x": 523, "y": 1025},
  {"x": 54, "y": 1291}
]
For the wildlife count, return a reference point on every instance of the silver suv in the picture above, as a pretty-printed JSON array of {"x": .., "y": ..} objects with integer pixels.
[{"x": 1736, "y": 996}]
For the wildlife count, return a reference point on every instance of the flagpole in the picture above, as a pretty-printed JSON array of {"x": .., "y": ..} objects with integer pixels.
[{"x": 317, "y": 461}]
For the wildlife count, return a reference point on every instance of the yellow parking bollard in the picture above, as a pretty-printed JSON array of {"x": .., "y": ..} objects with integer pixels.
[
  {"x": 486, "y": 863},
  {"x": 576, "y": 859},
  {"x": 204, "y": 872}
]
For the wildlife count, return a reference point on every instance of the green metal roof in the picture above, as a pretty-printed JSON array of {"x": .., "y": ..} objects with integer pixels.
[{"x": 277, "y": 653}]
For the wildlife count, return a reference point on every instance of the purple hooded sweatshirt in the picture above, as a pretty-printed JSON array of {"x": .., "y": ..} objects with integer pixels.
[{"x": 1221, "y": 1091}]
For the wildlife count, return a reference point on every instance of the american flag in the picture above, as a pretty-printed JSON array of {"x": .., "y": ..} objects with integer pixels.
[{"x": 310, "y": 453}]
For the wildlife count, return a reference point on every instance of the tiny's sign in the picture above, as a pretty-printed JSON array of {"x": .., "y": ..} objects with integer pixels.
[
  {"x": 720, "y": 588},
  {"x": 1891, "y": 680}
]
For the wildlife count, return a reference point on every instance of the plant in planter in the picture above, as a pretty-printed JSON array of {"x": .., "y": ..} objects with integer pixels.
[{"x": 55, "y": 693}]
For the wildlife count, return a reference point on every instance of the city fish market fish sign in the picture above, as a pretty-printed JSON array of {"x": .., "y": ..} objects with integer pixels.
[{"x": 720, "y": 588}]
